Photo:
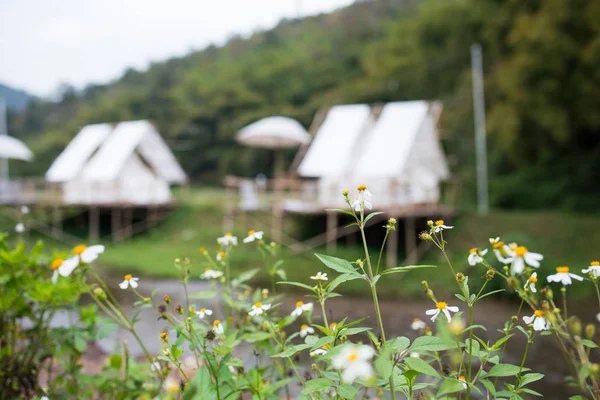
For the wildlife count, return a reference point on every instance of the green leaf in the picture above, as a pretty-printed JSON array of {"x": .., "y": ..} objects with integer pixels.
[
  {"x": 244, "y": 277},
  {"x": 490, "y": 293},
  {"x": 450, "y": 385},
  {"x": 533, "y": 392},
  {"x": 202, "y": 295},
  {"x": 290, "y": 351},
  {"x": 373, "y": 214},
  {"x": 341, "y": 279},
  {"x": 302, "y": 285},
  {"x": 505, "y": 370},
  {"x": 420, "y": 366},
  {"x": 397, "y": 270},
  {"x": 115, "y": 361},
  {"x": 317, "y": 384},
  {"x": 347, "y": 391},
  {"x": 533, "y": 377},
  {"x": 400, "y": 343},
  {"x": 501, "y": 341},
  {"x": 340, "y": 210},
  {"x": 589, "y": 343},
  {"x": 353, "y": 331},
  {"x": 201, "y": 386},
  {"x": 432, "y": 343},
  {"x": 322, "y": 342},
  {"x": 384, "y": 364},
  {"x": 256, "y": 336},
  {"x": 489, "y": 386},
  {"x": 337, "y": 264}
]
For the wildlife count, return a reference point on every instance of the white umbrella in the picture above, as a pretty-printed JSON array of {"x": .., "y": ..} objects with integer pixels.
[
  {"x": 14, "y": 148},
  {"x": 274, "y": 133}
]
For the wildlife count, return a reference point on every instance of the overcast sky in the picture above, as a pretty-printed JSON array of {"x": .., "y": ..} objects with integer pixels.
[{"x": 46, "y": 42}]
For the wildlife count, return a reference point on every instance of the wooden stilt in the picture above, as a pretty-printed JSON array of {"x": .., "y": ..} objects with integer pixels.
[
  {"x": 56, "y": 221},
  {"x": 331, "y": 230},
  {"x": 410, "y": 241},
  {"x": 391, "y": 250},
  {"x": 115, "y": 224},
  {"x": 128, "y": 223},
  {"x": 94, "y": 224}
]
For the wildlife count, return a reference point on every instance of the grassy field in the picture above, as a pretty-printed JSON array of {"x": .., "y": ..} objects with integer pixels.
[{"x": 564, "y": 239}]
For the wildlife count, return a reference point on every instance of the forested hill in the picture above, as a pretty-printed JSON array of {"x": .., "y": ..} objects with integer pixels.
[
  {"x": 541, "y": 59},
  {"x": 15, "y": 99}
]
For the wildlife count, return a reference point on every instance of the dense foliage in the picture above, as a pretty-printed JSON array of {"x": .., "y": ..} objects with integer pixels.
[{"x": 542, "y": 83}]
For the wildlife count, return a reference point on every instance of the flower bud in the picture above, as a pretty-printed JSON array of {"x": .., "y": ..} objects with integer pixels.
[
  {"x": 489, "y": 275},
  {"x": 314, "y": 367},
  {"x": 272, "y": 244},
  {"x": 166, "y": 352},
  {"x": 345, "y": 193},
  {"x": 425, "y": 236},
  {"x": 191, "y": 310},
  {"x": 575, "y": 326},
  {"x": 189, "y": 319},
  {"x": 100, "y": 294},
  {"x": 164, "y": 336},
  {"x": 179, "y": 309},
  {"x": 430, "y": 223},
  {"x": 186, "y": 261},
  {"x": 177, "y": 261},
  {"x": 344, "y": 338},
  {"x": 590, "y": 331},
  {"x": 425, "y": 285},
  {"x": 456, "y": 326},
  {"x": 167, "y": 299},
  {"x": 460, "y": 278},
  {"x": 427, "y": 331},
  {"x": 595, "y": 368},
  {"x": 512, "y": 282},
  {"x": 147, "y": 300}
]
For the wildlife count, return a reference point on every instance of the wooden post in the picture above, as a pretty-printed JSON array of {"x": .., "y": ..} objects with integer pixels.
[
  {"x": 277, "y": 206},
  {"x": 94, "y": 224},
  {"x": 128, "y": 229},
  {"x": 56, "y": 221},
  {"x": 331, "y": 230},
  {"x": 410, "y": 240},
  {"x": 391, "y": 251},
  {"x": 115, "y": 224}
]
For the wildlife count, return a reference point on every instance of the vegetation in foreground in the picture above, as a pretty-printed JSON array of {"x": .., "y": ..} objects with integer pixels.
[{"x": 348, "y": 360}]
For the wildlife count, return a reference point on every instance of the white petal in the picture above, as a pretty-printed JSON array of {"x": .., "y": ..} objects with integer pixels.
[
  {"x": 297, "y": 312},
  {"x": 68, "y": 266},
  {"x": 452, "y": 308},
  {"x": 566, "y": 279},
  {"x": 266, "y": 306},
  {"x": 432, "y": 311},
  {"x": 259, "y": 235},
  {"x": 533, "y": 259},
  {"x": 484, "y": 252},
  {"x": 539, "y": 324},
  {"x": 55, "y": 277},
  {"x": 587, "y": 270},
  {"x": 518, "y": 266},
  {"x": 528, "y": 320},
  {"x": 579, "y": 278},
  {"x": 124, "y": 284},
  {"x": 532, "y": 288},
  {"x": 437, "y": 312},
  {"x": 365, "y": 353},
  {"x": 471, "y": 259},
  {"x": 133, "y": 282},
  {"x": 310, "y": 330},
  {"x": 208, "y": 312},
  {"x": 447, "y": 314},
  {"x": 553, "y": 278},
  {"x": 249, "y": 239}
]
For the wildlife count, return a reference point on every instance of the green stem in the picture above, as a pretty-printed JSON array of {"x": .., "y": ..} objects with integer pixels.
[
  {"x": 564, "y": 298},
  {"x": 470, "y": 367},
  {"x": 387, "y": 232},
  {"x": 373, "y": 289},
  {"x": 322, "y": 302},
  {"x": 597, "y": 290}
]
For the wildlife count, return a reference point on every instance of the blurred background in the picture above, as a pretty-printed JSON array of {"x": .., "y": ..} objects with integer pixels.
[{"x": 511, "y": 92}]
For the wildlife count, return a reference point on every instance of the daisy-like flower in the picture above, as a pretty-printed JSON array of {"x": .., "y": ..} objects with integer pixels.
[
  {"x": 439, "y": 226},
  {"x": 210, "y": 273},
  {"x": 501, "y": 250},
  {"x": 20, "y": 228},
  {"x": 253, "y": 235},
  {"x": 593, "y": 269},
  {"x": 563, "y": 276},
  {"x": 519, "y": 256},
  {"x": 319, "y": 276},
  {"x": 305, "y": 330},
  {"x": 258, "y": 309},
  {"x": 217, "y": 327},
  {"x": 171, "y": 386},
  {"x": 332, "y": 326},
  {"x": 88, "y": 254},
  {"x": 363, "y": 199},
  {"x": 355, "y": 361},
  {"x": 318, "y": 352},
  {"x": 228, "y": 240},
  {"x": 63, "y": 267},
  {"x": 221, "y": 256},
  {"x": 203, "y": 311},
  {"x": 464, "y": 381},
  {"x": 414, "y": 354},
  {"x": 476, "y": 256},
  {"x": 441, "y": 306},
  {"x": 265, "y": 293},
  {"x": 531, "y": 281},
  {"x": 300, "y": 308},
  {"x": 540, "y": 323},
  {"x": 129, "y": 280},
  {"x": 417, "y": 324}
]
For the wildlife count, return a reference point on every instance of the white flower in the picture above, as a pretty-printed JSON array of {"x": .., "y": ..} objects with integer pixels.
[
  {"x": 24, "y": 210},
  {"x": 227, "y": 240},
  {"x": 265, "y": 293},
  {"x": 253, "y": 235},
  {"x": 210, "y": 273},
  {"x": 502, "y": 251},
  {"x": 464, "y": 381},
  {"x": 155, "y": 366},
  {"x": 221, "y": 256},
  {"x": 598, "y": 317},
  {"x": 88, "y": 254},
  {"x": 476, "y": 256},
  {"x": 355, "y": 362},
  {"x": 63, "y": 267},
  {"x": 563, "y": 276},
  {"x": 319, "y": 276},
  {"x": 439, "y": 226},
  {"x": 300, "y": 308},
  {"x": 318, "y": 352},
  {"x": 20, "y": 228},
  {"x": 417, "y": 324},
  {"x": 305, "y": 330},
  {"x": 44, "y": 398},
  {"x": 594, "y": 269},
  {"x": 203, "y": 312},
  {"x": 519, "y": 256},
  {"x": 414, "y": 354},
  {"x": 441, "y": 306},
  {"x": 531, "y": 281},
  {"x": 217, "y": 327},
  {"x": 258, "y": 309},
  {"x": 129, "y": 281},
  {"x": 539, "y": 322},
  {"x": 171, "y": 386},
  {"x": 363, "y": 199}
]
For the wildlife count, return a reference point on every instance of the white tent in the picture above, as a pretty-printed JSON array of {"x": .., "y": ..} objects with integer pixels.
[
  {"x": 398, "y": 156},
  {"x": 14, "y": 148},
  {"x": 129, "y": 163}
]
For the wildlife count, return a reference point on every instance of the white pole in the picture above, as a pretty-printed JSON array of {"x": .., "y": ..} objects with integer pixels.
[
  {"x": 3, "y": 131},
  {"x": 480, "y": 135}
]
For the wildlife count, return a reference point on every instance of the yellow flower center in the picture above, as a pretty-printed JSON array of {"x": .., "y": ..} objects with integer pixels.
[
  {"x": 79, "y": 249},
  {"x": 595, "y": 263},
  {"x": 462, "y": 378},
  {"x": 172, "y": 387},
  {"x": 538, "y": 313},
  {"x": 498, "y": 245},
  {"x": 439, "y": 222},
  {"x": 520, "y": 251},
  {"x": 304, "y": 327},
  {"x": 562, "y": 269},
  {"x": 203, "y": 310},
  {"x": 532, "y": 279},
  {"x": 258, "y": 305},
  {"x": 417, "y": 320},
  {"x": 56, "y": 263},
  {"x": 361, "y": 188},
  {"x": 299, "y": 304},
  {"x": 216, "y": 322},
  {"x": 473, "y": 250},
  {"x": 251, "y": 232},
  {"x": 128, "y": 277},
  {"x": 222, "y": 255},
  {"x": 352, "y": 356},
  {"x": 163, "y": 335},
  {"x": 332, "y": 325},
  {"x": 207, "y": 269},
  {"x": 228, "y": 234},
  {"x": 203, "y": 250},
  {"x": 441, "y": 305}
]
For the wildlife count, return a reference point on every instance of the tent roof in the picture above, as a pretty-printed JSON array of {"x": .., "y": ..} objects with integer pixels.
[
  {"x": 390, "y": 141},
  {"x": 128, "y": 136},
  {"x": 73, "y": 158},
  {"x": 11, "y": 147},
  {"x": 274, "y": 133},
  {"x": 333, "y": 147}
]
